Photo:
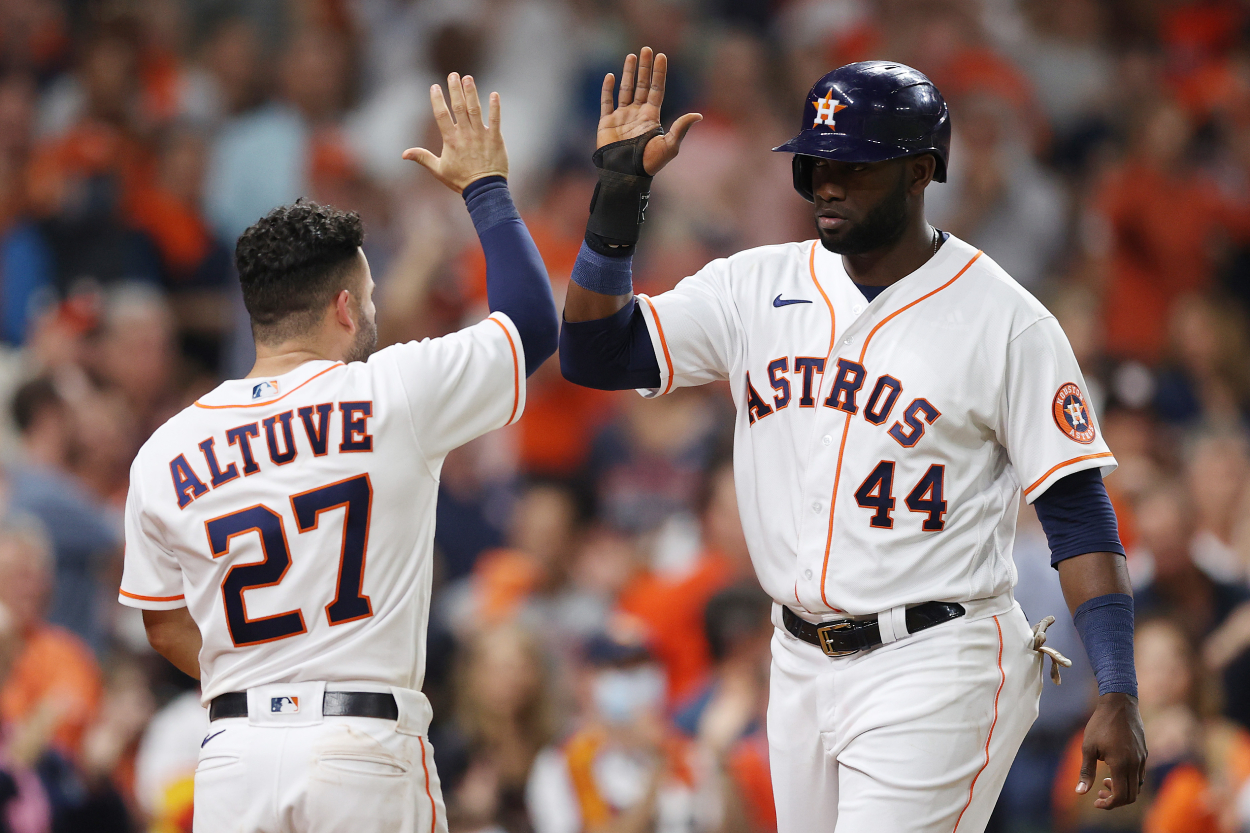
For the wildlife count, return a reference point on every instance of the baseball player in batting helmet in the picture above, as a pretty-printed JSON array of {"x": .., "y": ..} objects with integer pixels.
[
  {"x": 897, "y": 395},
  {"x": 870, "y": 112}
]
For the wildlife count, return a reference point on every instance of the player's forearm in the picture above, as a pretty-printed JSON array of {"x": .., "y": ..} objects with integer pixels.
[
  {"x": 582, "y": 304},
  {"x": 175, "y": 636},
  {"x": 1092, "y": 575},
  {"x": 516, "y": 279},
  {"x": 1098, "y": 592},
  {"x": 604, "y": 343}
]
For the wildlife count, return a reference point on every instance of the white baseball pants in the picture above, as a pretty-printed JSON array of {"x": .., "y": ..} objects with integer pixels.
[
  {"x": 915, "y": 736},
  {"x": 305, "y": 773}
]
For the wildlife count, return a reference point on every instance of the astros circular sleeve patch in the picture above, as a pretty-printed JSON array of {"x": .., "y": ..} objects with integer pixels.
[{"x": 1072, "y": 414}]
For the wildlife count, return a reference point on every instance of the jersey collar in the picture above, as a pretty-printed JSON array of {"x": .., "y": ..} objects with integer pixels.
[
  {"x": 262, "y": 392},
  {"x": 932, "y": 273}
]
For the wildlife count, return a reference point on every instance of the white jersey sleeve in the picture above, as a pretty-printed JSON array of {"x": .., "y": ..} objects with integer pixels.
[
  {"x": 694, "y": 329},
  {"x": 464, "y": 384},
  {"x": 151, "y": 577},
  {"x": 1048, "y": 427}
]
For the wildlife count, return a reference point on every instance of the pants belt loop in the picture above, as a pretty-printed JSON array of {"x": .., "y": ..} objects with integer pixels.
[
  {"x": 898, "y": 615},
  {"x": 885, "y": 624},
  {"x": 892, "y": 624}
]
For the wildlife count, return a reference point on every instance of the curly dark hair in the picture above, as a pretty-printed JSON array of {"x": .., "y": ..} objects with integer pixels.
[{"x": 292, "y": 262}]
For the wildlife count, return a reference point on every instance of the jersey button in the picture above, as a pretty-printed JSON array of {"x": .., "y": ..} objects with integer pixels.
[
  {"x": 816, "y": 506},
  {"x": 826, "y": 440},
  {"x": 807, "y": 574},
  {"x": 848, "y": 340},
  {"x": 857, "y": 309}
]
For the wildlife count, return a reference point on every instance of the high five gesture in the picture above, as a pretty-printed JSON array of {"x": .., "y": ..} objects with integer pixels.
[
  {"x": 637, "y": 109},
  {"x": 472, "y": 148}
]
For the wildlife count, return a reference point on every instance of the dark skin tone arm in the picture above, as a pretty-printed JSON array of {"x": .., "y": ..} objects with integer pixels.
[
  {"x": 175, "y": 636},
  {"x": 636, "y": 112},
  {"x": 1114, "y": 733},
  {"x": 844, "y": 197}
]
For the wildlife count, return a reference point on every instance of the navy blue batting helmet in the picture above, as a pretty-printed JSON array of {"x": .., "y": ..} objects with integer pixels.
[{"x": 869, "y": 112}]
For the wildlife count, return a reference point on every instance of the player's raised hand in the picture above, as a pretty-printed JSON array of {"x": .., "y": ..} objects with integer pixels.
[
  {"x": 472, "y": 147},
  {"x": 637, "y": 109}
]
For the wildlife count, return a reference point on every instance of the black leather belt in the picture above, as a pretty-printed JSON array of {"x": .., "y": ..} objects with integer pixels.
[
  {"x": 848, "y": 636},
  {"x": 334, "y": 704}
]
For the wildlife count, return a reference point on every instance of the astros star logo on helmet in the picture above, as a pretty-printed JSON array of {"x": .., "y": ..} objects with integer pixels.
[{"x": 825, "y": 109}]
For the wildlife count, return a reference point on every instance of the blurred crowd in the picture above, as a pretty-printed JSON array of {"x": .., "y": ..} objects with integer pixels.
[{"x": 598, "y": 645}]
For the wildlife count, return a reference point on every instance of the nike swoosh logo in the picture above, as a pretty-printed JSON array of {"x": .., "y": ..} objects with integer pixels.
[
  {"x": 210, "y": 737},
  {"x": 777, "y": 302}
]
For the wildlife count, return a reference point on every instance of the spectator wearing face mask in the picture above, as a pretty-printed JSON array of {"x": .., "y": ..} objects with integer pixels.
[{"x": 623, "y": 769}]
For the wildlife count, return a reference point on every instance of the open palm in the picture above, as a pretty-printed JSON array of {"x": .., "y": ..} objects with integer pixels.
[{"x": 637, "y": 111}]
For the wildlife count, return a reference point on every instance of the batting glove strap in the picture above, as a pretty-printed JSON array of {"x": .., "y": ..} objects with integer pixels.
[
  {"x": 619, "y": 204},
  {"x": 1105, "y": 624}
]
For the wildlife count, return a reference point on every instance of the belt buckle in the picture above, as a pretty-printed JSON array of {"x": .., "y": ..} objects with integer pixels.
[{"x": 825, "y": 631}]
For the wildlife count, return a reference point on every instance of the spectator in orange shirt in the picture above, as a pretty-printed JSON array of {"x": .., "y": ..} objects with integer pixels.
[
  {"x": 1198, "y": 764},
  {"x": 673, "y": 608},
  {"x": 82, "y": 181},
  {"x": 55, "y": 685},
  {"x": 1162, "y": 216}
]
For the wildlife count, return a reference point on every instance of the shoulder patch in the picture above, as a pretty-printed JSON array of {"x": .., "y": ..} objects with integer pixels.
[{"x": 1072, "y": 414}]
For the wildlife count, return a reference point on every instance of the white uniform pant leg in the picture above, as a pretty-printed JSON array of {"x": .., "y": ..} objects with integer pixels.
[
  {"x": 804, "y": 774},
  {"x": 927, "y": 728},
  {"x": 346, "y": 775}
]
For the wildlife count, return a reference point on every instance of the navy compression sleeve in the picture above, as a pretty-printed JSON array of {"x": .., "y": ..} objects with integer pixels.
[
  {"x": 516, "y": 279},
  {"x": 1077, "y": 517},
  {"x": 613, "y": 353}
]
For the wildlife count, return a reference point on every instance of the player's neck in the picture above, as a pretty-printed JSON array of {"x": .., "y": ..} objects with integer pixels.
[
  {"x": 890, "y": 264},
  {"x": 277, "y": 361}
]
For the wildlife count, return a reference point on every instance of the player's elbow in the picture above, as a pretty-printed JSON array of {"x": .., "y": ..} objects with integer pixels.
[
  {"x": 576, "y": 369},
  {"x": 539, "y": 339},
  {"x": 174, "y": 635}
]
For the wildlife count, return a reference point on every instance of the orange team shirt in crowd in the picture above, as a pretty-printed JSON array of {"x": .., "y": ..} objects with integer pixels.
[
  {"x": 57, "y": 668},
  {"x": 672, "y": 610},
  {"x": 748, "y": 766},
  {"x": 1184, "y": 802},
  {"x": 1160, "y": 250},
  {"x": 561, "y": 419},
  {"x": 87, "y": 149}
]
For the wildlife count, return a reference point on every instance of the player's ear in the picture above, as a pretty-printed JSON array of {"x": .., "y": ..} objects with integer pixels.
[
  {"x": 343, "y": 310},
  {"x": 920, "y": 171}
]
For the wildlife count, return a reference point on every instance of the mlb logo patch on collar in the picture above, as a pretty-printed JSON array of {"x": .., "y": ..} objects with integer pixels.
[
  {"x": 284, "y": 705},
  {"x": 269, "y": 388}
]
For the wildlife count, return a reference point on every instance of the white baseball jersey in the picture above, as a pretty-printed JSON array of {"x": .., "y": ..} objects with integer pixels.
[
  {"x": 294, "y": 516},
  {"x": 880, "y": 448}
]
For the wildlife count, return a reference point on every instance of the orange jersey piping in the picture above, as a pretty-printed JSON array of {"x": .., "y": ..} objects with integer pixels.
[
  {"x": 668, "y": 359},
  {"x": 1054, "y": 469},
  {"x": 833, "y": 318},
  {"x": 270, "y": 401},
  {"x": 846, "y": 426},
  {"x": 177, "y": 598},
  {"x": 516, "y": 372}
]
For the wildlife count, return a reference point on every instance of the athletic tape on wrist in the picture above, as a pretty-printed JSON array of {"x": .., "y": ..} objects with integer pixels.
[
  {"x": 605, "y": 275},
  {"x": 619, "y": 204},
  {"x": 1105, "y": 624}
]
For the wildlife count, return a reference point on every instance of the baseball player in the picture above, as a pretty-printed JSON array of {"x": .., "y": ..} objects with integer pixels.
[
  {"x": 897, "y": 394},
  {"x": 279, "y": 531}
]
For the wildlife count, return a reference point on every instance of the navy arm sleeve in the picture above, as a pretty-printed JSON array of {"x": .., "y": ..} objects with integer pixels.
[
  {"x": 516, "y": 279},
  {"x": 613, "y": 353},
  {"x": 1077, "y": 517}
]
